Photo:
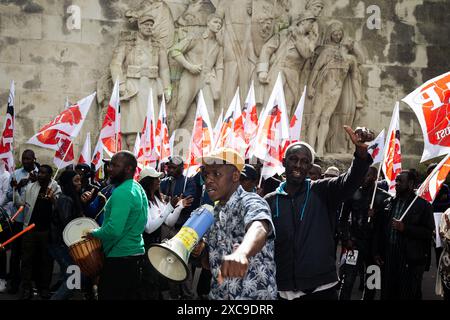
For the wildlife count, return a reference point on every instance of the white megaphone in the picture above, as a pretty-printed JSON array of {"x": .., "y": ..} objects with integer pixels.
[{"x": 170, "y": 258}]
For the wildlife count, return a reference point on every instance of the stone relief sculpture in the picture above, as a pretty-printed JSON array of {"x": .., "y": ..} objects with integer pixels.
[
  {"x": 286, "y": 52},
  {"x": 335, "y": 65},
  {"x": 218, "y": 45},
  {"x": 202, "y": 60},
  {"x": 164, "y": 28},
  {"x": 236, "y": 39},
  {"x": 140, "y": 64}
]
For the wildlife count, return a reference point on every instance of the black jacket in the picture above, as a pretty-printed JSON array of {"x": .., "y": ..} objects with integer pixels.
[
  {"x": 304, "y": 247},
  {"x": 64, "y": 212},
  {"x": 417, "y": 236},
  {"x": 354, "y": 220}
]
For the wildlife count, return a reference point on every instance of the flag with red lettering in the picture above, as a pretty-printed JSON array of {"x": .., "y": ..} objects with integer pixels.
[
  {"x": 147, "y": 150},
  {"x": 295, "y": 127},
  {"x": 85, "y": 155},
  {"x": 272, "y": 138},
  {"x": 429, "y": 189},
  {"x": 392, "y": 163},
  {"x": 67, "y": 124},
  {"x": 110, "y": 131},
  {"x": 202, "y": 133},
  {"x": 64, "y": 155},
  {"x": 216, "y": 130},
  {"x": 231, "y": 134},
  {"x": 162, "y": 133},
  {"x": 250, "y": 115},
  {"x": 431, "y": 104},
  {"x": 7, "y": 138},
  {"x": 376, "y": 148},
  {"x": 97, "y": 156}
]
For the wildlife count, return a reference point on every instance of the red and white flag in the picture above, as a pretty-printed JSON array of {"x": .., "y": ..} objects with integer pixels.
[
  {"x": 97, "y": 156},
  {"x": 392, "y": 163},
  {"x": 64, "y": 155},
  {"x": 162, "y": 133},
  {"x": 431, "y": 104},
  {"x": 295, "y": 127},
  {"x": 376, "y": 148},
  {"x": 147, "y": 150},
  {"x": 137, "y": 145},
  {"x": 218, "y": 126},
  {"x": 67, "y": 124},
  {"x": 110, "y": 131},
  {"x": 429, "y": 189},
  {"x": 85, "y": 155},
  {"x": 7, "y": 138},
  {"x": 231, "y": 134},
  {"x": 272, "y": 138},
  {"x": 202, "y": 133},
  {"x": 250, "y": 115}
]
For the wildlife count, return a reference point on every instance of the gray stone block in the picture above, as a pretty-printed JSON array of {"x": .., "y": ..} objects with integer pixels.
[
  {"x": 55, "y": 29},
  {"x": 22, "y": 26}
]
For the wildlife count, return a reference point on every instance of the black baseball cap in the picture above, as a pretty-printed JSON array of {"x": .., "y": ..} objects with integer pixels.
[{"x": 249, "y": 172}]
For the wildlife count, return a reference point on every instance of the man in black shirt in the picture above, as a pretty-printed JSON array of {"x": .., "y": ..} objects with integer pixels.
[{"x": 38, "y": 199}]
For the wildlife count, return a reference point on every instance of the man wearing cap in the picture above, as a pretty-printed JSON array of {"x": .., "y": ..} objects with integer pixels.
[
  {"x": 331, "y": 172},
  {"x": 141, "y": 65},
  {"x": 304, "y": 214},
  {"x": 286, "y": 52},
  {"x": 240, "y": 244},
  {"x": 249, "y": 178},
  {"x": 177, "y": 184}
]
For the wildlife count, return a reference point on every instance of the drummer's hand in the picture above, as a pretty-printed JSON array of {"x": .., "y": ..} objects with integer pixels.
[{"x": 87, "y": 234}]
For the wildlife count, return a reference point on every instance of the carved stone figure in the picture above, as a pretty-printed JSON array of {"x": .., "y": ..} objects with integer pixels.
[
  {"x": 140, "y": 64},
  {"x": 317, "y": 32},
  {"x": 202, "y": 60},
  {"x": 262, "y": 29},
  {"x": 196, "y": 13},
  {"x": 236, "y": 39},
  {"x": 326, "y": 84},
  {"x": 286, "y": 52},
  {"x": 164, "y": 28}
]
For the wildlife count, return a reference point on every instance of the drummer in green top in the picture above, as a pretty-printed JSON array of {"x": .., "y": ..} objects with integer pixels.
[{"x": 121, "y": 232}]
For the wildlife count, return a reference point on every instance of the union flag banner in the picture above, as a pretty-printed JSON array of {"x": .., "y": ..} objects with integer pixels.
[
  {"x": 231, "y": 134},
  {"x": 162, "y": 140},
  {"x": 272, "y": 138},
  {"x": 433, "y": 183},
  {"x": 376, "y": 148},
  {"x": 202, "y": 133},
  {"x": 296, "y": 121},
  {"x": 67, "y": 124},
  {"x": 7, "y": 138},
  {"x": 147, "y": 150},
  {"x": 392, "y": 163},
  {"x": 97, "y": 156},
  {"x": 110, "y": 131},
  {"x": 64, "y": 155},
  {"x": 431, "y": 104},
  {"x": 85, "y": 155},
  {"x": 250, "y": 115}
]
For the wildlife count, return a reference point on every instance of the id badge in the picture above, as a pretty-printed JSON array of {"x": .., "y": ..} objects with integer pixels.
[{"x": 352, "y": 257}]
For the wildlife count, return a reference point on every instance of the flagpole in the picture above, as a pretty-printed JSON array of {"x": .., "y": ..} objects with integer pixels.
[
  {"x": 58, "y": 167},
  {"x": 409, "y": 207},
  {"x": 376, "y": 184}
]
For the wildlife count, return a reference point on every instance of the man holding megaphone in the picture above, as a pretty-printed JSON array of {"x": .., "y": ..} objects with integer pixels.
[{"x": 240, "y": 243}]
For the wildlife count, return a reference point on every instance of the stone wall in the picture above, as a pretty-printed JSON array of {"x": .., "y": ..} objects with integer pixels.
[{"x": 50, "y": 62}]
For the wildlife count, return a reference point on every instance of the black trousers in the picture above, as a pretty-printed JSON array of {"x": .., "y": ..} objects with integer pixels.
[
  {"x": 36, "y": 260},
  {"x": 16, "y": 254},
  {"x": 121, "y": 278}
]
